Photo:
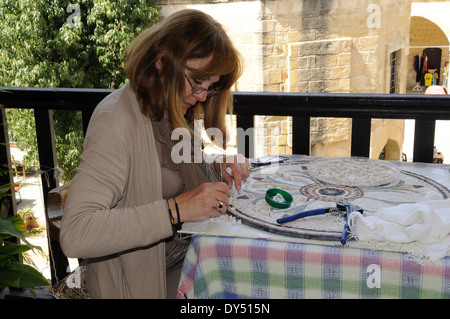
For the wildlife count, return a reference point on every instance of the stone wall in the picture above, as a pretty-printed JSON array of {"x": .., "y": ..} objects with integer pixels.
[{"x": 313, "y": 46}]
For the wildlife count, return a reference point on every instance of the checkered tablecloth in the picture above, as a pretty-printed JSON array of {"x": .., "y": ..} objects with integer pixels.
[{"x": 227, "y": 267}]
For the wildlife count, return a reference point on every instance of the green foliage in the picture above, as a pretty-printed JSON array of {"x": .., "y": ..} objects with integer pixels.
[
  {"x": 43, "y": 45},
  {"x": 14, "y": 273},
  {"x": 4, "y": 190},
  {"x": 22, "y": 129},
  {"x": 53, "y": 43},
  {"x": 67, "y": 137}
]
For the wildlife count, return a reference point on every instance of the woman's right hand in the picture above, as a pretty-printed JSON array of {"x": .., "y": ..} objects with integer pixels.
[{"x": 201, "y": 203}]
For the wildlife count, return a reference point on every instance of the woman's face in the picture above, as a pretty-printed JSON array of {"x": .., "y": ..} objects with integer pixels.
[{"x": 190, "y": 98}]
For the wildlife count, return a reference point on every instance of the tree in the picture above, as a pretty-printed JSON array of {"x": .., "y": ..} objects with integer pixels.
[{"x": 54, "y": 43}]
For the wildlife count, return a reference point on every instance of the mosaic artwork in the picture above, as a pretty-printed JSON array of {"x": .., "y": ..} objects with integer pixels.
[{"x": 312, "y": 191}]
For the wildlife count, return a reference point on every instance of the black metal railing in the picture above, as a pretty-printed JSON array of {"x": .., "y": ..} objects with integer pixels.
[{"x": 361, "y": 108}]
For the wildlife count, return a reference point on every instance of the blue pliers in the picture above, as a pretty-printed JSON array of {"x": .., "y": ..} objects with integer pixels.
[{"x": 341, "y": 207}]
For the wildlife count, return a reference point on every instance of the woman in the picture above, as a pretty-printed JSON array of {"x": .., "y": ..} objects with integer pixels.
[{"x": 129, "y": 195}]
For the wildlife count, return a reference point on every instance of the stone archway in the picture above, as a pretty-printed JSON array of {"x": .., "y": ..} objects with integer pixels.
[
  {"x": 392, "y": 151},
  {"x": 436, "y": 12},
  {"x": 429, "y": 30}
]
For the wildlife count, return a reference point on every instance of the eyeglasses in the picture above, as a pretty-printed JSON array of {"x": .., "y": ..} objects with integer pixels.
[{"x": 198, "y": 89}]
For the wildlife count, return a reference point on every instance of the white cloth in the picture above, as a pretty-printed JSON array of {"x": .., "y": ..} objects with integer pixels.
[{"x": 421, "y": 228}]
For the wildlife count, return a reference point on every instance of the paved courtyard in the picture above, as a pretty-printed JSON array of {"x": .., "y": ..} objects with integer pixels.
[{"x": 31, "y": 196}]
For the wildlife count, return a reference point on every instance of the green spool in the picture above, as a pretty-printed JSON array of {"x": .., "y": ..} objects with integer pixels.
[{"x": 273, "y": 192}]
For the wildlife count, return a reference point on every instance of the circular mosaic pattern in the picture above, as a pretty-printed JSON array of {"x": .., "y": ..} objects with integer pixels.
[
  {"x": 331, "y": 193},
  {"x": 353, "y": 171},
  {"x": 249, "y": 205}
]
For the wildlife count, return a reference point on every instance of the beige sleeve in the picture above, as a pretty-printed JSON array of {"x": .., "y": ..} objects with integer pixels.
[{"x": 101, "y": 215}]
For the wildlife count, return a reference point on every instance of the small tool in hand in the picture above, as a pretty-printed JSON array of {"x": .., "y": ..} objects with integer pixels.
[{"x": 268, "y": 160}]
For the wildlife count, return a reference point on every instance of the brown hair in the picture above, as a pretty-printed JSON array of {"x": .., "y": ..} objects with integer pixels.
[{"x": 186, "y": 34}]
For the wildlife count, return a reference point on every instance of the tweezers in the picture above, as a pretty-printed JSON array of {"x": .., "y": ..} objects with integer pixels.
[{"x": 268, "y": 160}]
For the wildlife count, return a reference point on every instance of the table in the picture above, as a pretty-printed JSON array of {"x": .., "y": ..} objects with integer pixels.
[
  {"x": 222, "y": 265},
  {"x": 226, "y": 267}
]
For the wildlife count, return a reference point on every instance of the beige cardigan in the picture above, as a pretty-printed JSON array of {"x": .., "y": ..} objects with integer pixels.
[{"x": 115, "y": 215}]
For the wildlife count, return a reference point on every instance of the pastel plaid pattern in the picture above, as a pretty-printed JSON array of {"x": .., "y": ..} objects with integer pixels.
[{"x": 226, "y": 267}]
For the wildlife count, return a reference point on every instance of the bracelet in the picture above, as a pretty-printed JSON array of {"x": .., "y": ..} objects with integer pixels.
[
  {"x": 171, "y": 216},
  {"x": 178, "y": 225}
]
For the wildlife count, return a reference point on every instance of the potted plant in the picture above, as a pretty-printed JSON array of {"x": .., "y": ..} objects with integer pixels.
[{"x": 13, "y": 273}]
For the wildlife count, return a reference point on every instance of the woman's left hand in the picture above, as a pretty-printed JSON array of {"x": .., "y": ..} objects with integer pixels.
[{"x": 240, "y": 170}]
